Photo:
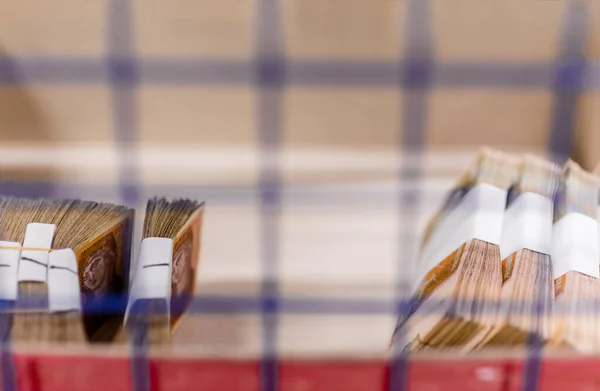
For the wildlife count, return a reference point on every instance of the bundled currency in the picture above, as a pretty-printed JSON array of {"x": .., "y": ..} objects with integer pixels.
[
  {"x": 60, "y": 254},
  {"x": 527, "y": 274},
  {"x": 165, "y": 273},
  {"x": 460, "y": 272},
  {"x": 575, "y": 257}
]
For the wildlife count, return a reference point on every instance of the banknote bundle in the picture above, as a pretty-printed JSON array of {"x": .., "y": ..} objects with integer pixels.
[
  {"x": 460, "y": 276},
  {"x": 164, "y": 274},
  {"x": 517, "y": 264},
  {"x": 57, "y": 255},
  {"x": 575, "y": 256},
  {"x": 527, "y": 275}
]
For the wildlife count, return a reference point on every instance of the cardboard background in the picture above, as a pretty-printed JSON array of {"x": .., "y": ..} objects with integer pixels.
[{"x": 355, "y": 115}]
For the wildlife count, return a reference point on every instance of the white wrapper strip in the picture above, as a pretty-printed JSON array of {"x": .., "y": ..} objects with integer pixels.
[
  {"x": 152, "y": 278},
  {"x": 9, "y": 266},
  {"x": 575, "y": 245},
  {"x": 478, "y": 215},
  {"x": 527, "y": 224},
  {"x": 64, "y": 292},
  {"x": 33, "y": 265}
]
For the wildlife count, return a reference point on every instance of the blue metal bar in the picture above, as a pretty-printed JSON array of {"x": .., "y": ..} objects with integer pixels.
[
  {"x": 524, "y": 75},
  {"x": 122, "y": 74},
  {"x": 569, "y": 77},
  {"x": 416, "y": 79},
  {"x": 228, "y": 194},
  {"x": 123, "y": 82},
  {"x": 7, "y": 362},
  {"x": 269, "y": 80}
]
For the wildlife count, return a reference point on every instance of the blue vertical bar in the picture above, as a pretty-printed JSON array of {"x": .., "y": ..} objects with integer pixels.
[
  {"x": 416, "y": 78},
  {"x": 123, "y": 82},
  {"x": 9, "y": 375},
  {"x": 570, "y": 74},
  {"x": 123, "y": 78},
  {"x": 569, "y": 78},
  {"x": 270, "y": 80},
  {"x": 140, "y": 365},
  {"x": 9, "y": 379}
]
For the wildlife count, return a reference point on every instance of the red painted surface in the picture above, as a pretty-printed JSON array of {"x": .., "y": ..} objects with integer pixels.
[
  {"x": 62, "y": 373},
  {"x": 98, "y": 373}
]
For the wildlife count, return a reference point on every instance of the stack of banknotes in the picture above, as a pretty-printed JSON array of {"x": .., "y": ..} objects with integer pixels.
[
  {"x": 63, "y": 262},
  {"x": 511, "y": 258}
]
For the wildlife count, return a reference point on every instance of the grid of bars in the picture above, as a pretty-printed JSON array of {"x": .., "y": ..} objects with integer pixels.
[{"x": 270, "y": 72}]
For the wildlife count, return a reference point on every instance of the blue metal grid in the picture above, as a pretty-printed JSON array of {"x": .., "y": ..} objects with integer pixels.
[{"x": 270, "y": 72}]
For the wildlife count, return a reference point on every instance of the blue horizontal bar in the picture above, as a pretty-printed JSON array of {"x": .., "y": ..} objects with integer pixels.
[
  {"x": 194, "y": 71},
  {"x": 298, "y": 305},
  {"x": 213, "y": 194},
  {"x": 495, "y": 74},
  {"x": 17, "y": 70},
  {"x": 344, "y": 73}
]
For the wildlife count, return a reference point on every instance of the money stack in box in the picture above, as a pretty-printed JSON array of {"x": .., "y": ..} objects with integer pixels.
[
  {"x": 165, "y": 274},
  {"x": 55, "y": 251},
  {"x": 510, "y": 259},
  {"x": 62, "y": 262}
]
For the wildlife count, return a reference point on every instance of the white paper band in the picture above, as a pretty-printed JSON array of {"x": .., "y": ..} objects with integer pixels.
[
  {"x": 575, "y": 245},
  {"x": 33, "y": 265},
  {"x": 478, "y": 215},
  {"x": 527, "y": 224},
  {"x": 152, "y": 277},
  {"x": 64, "y": 292},
  {"x": 9, "y": 266}
]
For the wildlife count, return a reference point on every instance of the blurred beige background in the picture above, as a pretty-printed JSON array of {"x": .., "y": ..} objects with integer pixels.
[{"x": 353, "y": 117}]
